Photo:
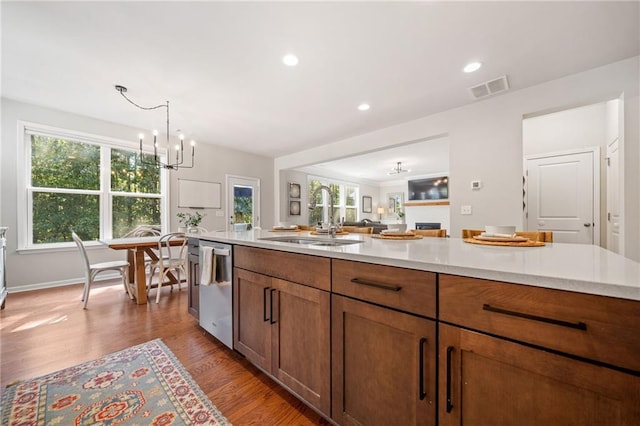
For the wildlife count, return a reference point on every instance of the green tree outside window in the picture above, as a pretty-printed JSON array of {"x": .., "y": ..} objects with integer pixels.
[{"x": 66, "y": 190}]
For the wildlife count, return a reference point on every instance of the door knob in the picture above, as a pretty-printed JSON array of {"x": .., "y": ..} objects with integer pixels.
[{"x": 587, "y": 224}]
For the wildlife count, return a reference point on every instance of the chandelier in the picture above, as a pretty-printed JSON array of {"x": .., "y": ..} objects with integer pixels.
[
  {"x": 398, "y": 169},
  {"x": 179, "y": 158}
]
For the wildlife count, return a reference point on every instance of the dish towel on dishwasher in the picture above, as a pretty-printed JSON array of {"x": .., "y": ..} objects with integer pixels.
[{"x": 207, "y": 265}]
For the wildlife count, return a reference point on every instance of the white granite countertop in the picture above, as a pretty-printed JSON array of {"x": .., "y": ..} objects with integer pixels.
[{"x": 573, "y": 267}]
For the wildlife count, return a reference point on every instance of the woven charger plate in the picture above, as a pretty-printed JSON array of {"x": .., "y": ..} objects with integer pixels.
[
  {"x": 397, "y": 237},
  {"x": 527, "y": 243}
]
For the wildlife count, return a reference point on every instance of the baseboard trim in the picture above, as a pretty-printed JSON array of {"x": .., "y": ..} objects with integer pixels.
[{"x": 62, "y": 283}]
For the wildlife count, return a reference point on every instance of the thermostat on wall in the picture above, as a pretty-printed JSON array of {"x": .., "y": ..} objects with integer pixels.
[{"x": 476, "y": 184}]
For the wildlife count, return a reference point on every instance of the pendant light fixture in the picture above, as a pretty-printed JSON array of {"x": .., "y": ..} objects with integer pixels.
[
  {"x": 398, "y": 169},
  {"x": 179, "y": 157}
]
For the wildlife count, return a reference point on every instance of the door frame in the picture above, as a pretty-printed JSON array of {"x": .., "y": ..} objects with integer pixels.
[
  {"x": 609, "y": 203},
  {"x": 597, "y": 178},
  {"x": 255, "y": 182}
]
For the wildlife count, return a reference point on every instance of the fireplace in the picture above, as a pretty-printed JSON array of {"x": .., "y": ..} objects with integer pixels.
[{"x": 427, "y": 225}]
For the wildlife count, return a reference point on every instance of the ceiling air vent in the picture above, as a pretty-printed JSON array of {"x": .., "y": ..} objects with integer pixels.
[{"x": 490, "y": 87}]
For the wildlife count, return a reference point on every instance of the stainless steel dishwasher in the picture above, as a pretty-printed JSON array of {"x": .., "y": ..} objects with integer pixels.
[{"x": 216, "y": 290}]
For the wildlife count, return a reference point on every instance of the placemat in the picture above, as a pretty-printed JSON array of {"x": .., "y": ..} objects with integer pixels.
[{"x": 528, "y": 243}]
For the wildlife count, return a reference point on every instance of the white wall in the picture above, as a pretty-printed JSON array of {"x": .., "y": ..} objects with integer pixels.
[
  {"x": 575, "y": 129},
  {"x": 486, "y": 144},
  {"x": 437, "y": 214},
  {"x": 37, "y": 269},
  {"x": 286, "y": 177},
  {"x": 571, "y": 129},
  {"x": 301, "y": 178}
]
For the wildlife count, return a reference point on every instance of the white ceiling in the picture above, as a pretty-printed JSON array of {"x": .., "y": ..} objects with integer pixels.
[
  {"x": 219, "y": 63},
  {"x": 421, "y": 159}
]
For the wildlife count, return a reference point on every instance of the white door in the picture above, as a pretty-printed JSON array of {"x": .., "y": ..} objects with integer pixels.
[
  {"x": 243, "y": 203},
  {"x": 613, "y": 197},
  {"x": 561, "y": 196}
]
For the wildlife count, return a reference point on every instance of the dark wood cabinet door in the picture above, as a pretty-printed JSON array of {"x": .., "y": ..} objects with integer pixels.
[
  {"x": 384, "y": 365},
  {"x": 490, "y": 381},
  {"x": 194, "y": 285},
  {"x": 301, "y": 341},
  {"x": 251, "y": 317}
]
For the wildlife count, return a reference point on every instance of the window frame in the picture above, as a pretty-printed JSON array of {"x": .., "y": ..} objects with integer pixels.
[
  {"x": 25, "y": 190},
  {"x": 342, "y": 199}
]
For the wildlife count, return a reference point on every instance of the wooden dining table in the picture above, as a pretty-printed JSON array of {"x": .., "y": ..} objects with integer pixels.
[{"x": 136, "y": 249}]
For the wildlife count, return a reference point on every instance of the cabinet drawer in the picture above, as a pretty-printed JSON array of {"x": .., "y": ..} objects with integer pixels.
[
  {"x": 599, "y": 328},
  {"x": 313, "y": 271},
  {"x": 404, "y": 289}
]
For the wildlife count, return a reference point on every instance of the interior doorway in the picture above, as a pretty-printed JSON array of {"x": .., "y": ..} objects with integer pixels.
[
  {"x": 598, "y": 128},
  {"x": 243, "y": 203},
  {"x": 563, "y": 194}
]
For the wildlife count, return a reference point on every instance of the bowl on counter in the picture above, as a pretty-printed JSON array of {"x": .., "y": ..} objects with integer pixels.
[
  {"x": 397, "y": 227},
  {"x": 502, "y": 229}
]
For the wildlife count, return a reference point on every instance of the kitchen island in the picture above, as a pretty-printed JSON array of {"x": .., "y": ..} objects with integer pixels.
[
  {"x": 385, "y": 331},
  {"x": 572, "y": 267}
]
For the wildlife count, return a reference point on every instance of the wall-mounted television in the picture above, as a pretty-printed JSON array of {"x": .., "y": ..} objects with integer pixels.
[{"x": 436, "y": 188}]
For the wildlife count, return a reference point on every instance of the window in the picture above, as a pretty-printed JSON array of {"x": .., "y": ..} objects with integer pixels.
[
  {"x": 95, "y": 186},
  {"x": 345, "y": 201}
]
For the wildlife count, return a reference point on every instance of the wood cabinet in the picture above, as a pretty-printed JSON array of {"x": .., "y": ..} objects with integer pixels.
[
  {"x": 384, "y": 365},
  {"x": 488, "y": 380},
  {"x": 599, "y": 328},
  {"x": 404, "y": 289},
  {"x": 369, "y": 344},
  {"x": 251, "y": 309},
  {"x": 537, "y": 356},
  {"x": 193, "y": 277},
  {"x": 283, "y": 327},
  {"x": 384, "y": 360}
]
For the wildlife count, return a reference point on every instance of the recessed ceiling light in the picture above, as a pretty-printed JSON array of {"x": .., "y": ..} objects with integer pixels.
[
  {"x": 472, "y": 66},
  {"x": 290, "y": 60},
  {"x": 363, "y": 107}
]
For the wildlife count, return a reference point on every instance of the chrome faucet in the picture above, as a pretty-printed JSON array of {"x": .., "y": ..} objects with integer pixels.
[{"x": 332, "y": 226}]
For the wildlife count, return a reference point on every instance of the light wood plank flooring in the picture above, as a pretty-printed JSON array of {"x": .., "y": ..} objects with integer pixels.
[{"x": 47, "y": 330}]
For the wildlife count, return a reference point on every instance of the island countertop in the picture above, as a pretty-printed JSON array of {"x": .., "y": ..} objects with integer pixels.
[{"x": 573, "y": 267}]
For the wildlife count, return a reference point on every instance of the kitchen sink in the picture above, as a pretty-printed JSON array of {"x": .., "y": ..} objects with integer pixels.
[{"x": 330, "y": 242}]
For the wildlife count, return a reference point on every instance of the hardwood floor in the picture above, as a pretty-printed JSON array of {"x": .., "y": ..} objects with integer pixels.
[{"x": 47, "y": 330}]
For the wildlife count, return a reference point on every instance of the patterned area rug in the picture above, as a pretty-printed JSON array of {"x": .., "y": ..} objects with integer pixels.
[{"x": 141, "y": 385}]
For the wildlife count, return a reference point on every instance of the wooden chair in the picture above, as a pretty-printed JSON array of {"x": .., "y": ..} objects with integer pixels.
[
  {"x": 358, "y": 229},
  {"x": 542, "y": 236},
  {"x": 439, "y": 233},
  {"x": 172, "y": 257},
  {"x": 91, "y": 270}
]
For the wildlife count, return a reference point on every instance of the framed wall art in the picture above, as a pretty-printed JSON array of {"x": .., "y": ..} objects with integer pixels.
[
  {"x": 294, "y": 208},
  {"x": 294, "y": 190},
  {"x": 366, "y": 204}
]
